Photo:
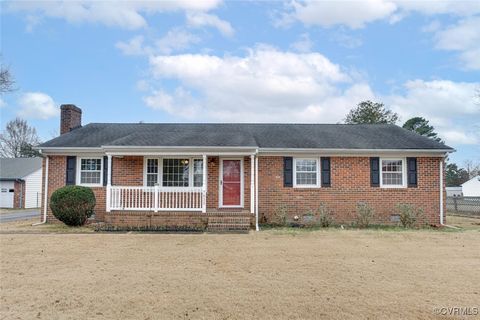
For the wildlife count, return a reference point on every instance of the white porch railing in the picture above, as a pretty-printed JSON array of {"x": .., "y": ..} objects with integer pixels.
[{"x": 156, "y": 198}]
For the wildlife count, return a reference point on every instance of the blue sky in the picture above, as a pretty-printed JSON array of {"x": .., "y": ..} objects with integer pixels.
[{"x": 199, "y": 61}]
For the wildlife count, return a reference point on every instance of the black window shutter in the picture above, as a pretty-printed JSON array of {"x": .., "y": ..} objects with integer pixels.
[
  {"x": 325, "y": 166},
  {"x": 412, "y": 172},
  {"x": 375, "y": 171},
  {"x": 105, "y": 170},
  {"x": 71, "y": 172},
  {"x": 287, "y": 171}
]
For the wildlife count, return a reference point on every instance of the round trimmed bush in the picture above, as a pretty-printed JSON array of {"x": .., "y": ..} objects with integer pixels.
[{"x": 73, "y": 205}]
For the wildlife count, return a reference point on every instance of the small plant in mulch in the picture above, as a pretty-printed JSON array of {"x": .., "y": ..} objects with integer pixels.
[
  {"x": 280, "y": 216},
  {"x": 365, "y": 215},
  {"x": 321, "y": 217},
  {"x": 409, "y": 214},
  {"x": 73, "y": 205}
]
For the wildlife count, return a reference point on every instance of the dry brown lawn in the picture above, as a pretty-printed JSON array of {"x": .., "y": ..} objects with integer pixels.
[{"x": 331, "y": 274}]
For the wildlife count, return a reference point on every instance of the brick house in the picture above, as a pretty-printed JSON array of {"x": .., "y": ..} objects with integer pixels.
[{"x": 194, "y": 175}]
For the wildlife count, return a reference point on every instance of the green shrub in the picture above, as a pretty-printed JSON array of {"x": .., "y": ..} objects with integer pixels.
[
  {"x": 72, "y": 205},
  {"x": 409, "y": 215},
  {"x": 365, "y": 215},
  {"x": 280, "y": 216}
]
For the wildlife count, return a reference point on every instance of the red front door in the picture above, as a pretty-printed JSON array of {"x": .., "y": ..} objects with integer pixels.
[{"x": 231, "y": 182}]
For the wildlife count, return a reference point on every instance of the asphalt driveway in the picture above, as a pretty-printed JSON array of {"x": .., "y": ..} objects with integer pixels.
[{"x": 16, "y": 215}]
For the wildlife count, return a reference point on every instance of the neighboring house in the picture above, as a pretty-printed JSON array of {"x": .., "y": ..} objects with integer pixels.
[
  {"x": 471, "y": 188},
  {"x": 20, "y": 182},
  {"x": 454, "y": 191},
  {"x": 188, "y": 175}
]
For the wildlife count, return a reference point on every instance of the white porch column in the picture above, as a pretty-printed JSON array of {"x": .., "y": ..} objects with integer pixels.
[
  {"x": 204, "y": 184},
  {"x": 109, "y": 181},
  {"x": 252, "y": 184},
  {"x": 256, "y": 193}
]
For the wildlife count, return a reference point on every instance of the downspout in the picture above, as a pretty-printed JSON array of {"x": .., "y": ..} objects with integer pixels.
[
  {"x": 441, "y": 191},
  {"x": 45, "y": 192},
  {"x": 257, "y": 228}
]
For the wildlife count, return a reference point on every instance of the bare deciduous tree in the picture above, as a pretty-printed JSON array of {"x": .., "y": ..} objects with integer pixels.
[
  {"x": 6, "y": 80},
  {"x": 472, "y": 168},
  {"x": 17, "y": 140}
]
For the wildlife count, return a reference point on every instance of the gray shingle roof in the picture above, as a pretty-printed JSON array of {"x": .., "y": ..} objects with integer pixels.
[
  {"x": 18, "y": 168},
  {"x": 304, "y": 136}
]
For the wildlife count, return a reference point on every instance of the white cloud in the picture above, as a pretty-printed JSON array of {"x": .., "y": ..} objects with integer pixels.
[
  {"x": 265, "y": 85},
  {"x": 174, "y": 40},
  {"x": 124, "y": 14},
  {"x": 450, "y": 107},
  {"x": 37, "y": 105},
  {"x": 354, "y": 14},
  {"x": 357, "y": 13},
  {"x": 133, "y": 47},
  {"x": 2, "y": 103},
  {"x": 303, "y": 44},
  {"x": 268, "y": 85},
  {"x": 463, "y": 37},
  {"x": 201, "y": 19}
]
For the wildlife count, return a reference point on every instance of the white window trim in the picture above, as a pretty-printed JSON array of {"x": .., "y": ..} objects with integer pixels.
[
  {"x": 79, "y": 169},
  {"x": 160, "y": 170},
  {"x": 295, "y": 185},
  {"x": 404, "y": 173}
]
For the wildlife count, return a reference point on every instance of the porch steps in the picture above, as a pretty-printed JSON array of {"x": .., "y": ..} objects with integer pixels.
[{"x": 229, "y": 224}]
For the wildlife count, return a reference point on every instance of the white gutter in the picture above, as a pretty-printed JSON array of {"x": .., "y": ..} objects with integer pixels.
[
  {"x": 257, "y": 228},
  {"x": 441, "y": 192},
  {"x": 45, "y": 192}
]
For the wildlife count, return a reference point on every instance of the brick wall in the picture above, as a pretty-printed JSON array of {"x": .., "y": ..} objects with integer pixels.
[
  {"x": 19, "y": 194},
  {"x": 56, "y": 179},
  {"x": 350, "y": 184},
  {"x": 350, "y": 177}
]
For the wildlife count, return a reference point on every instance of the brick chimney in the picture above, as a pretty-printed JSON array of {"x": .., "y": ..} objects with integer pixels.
[{"x": 70, "y": 118}]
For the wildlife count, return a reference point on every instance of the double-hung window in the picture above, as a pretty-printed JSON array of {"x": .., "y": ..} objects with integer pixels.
[
  {"x": 306, "y": 172},
  {"x": 174, "y": 172},
  {"x": 90, "y": 171},
  {"x": 392, "y": 173},
  {"x": 152, "y": 172}
]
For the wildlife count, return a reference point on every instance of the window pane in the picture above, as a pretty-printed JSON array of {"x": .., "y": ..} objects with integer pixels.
[
  {"x": 392, "y": 172},
  {"x": 306, "y": 165},
  {"x": 152, "y": 179},
  {"x": 175, "y": 172},
  {"x": 392, "y": 178},
  {"x": 90, "y": 171},
  {"x": 152, "y": 165},
  {"x": 306, "y": 178},
  {"x": 90, "y": 177},
  {"x": 306, "y": 172},
  {"x": 197, "y": 172}
]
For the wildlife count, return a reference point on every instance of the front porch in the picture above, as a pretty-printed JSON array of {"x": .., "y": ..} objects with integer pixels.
[{"x": 180, "y": 192}]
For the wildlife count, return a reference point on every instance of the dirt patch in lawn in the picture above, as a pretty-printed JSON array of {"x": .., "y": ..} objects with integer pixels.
[{"x": 334, "y": 274}]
